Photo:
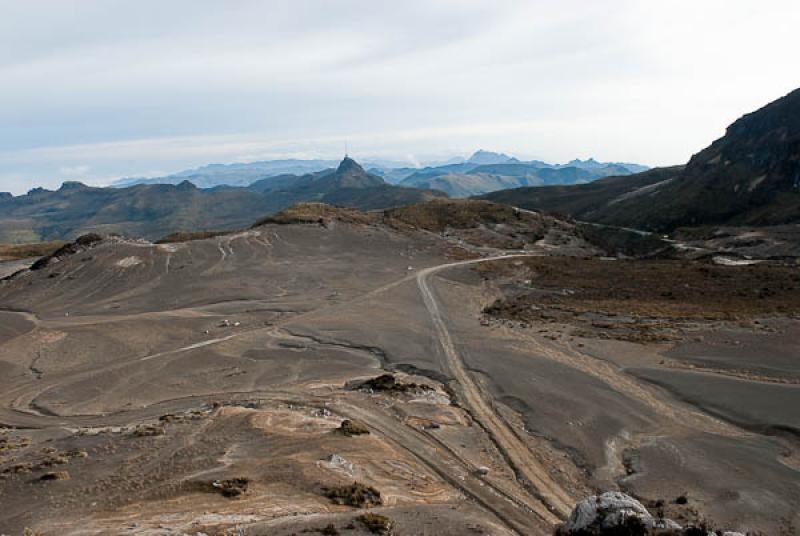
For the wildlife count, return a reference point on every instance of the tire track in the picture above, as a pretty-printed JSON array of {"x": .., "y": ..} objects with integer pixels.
[{"x": 556, "y": 503}]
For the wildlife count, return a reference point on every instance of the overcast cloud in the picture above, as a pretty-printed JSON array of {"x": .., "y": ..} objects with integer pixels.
[{"x": 95, "y": 90}]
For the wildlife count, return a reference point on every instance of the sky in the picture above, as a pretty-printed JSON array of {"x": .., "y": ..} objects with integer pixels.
[{"x": 94, "y": 90}]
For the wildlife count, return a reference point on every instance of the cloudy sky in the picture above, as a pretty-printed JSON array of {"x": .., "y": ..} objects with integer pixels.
[{"x": 93, "y": 90}]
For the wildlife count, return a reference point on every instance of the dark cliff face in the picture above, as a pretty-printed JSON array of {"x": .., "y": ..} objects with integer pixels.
[
  {"x": 765, "y": 142},
  {"x": 750, "y": 176}
]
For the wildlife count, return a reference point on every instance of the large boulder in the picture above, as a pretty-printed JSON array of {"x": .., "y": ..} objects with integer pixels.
[{"x": 600, "y": 513}]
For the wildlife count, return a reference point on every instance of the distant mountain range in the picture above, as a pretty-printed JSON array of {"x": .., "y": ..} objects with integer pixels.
[
  {"x": 155, "y": 210},
  {"x": 750, "y": 176},
  {"x": 458, "y": 178},
  {"x": 469, "y": 179},
  {"x": 233, "y": 174}
]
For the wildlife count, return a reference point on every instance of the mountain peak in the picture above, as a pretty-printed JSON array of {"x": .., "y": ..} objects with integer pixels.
[
  {"x": 186, "y": 185},
  {"x": 71, "y": 185},
  {"x": 482, "y": 157},
  {"x": 350, "y": 166}
]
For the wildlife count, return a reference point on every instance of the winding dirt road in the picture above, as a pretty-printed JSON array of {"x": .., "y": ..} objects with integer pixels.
[{"x": 555, "y": 502}]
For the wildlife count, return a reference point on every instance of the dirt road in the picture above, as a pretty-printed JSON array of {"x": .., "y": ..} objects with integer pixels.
[{"x": 556, "y": 502}]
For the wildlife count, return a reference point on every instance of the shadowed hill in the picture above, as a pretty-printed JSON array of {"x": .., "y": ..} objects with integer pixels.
[
  {"x": 476, "y": 180},
  {"x": 149, "y": 211},
  {"x": 457, "y": 221},
  {"x": 153, "y": 211},
  {"x": 750, "y": 176},
  {"x": 581, "y": 201},
  {"x": 317, "y": 213}
]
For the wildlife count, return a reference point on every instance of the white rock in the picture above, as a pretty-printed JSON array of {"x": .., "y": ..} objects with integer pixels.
[
  {"x": 609, "y": 510},
  {"x": 666, "y": 524}
]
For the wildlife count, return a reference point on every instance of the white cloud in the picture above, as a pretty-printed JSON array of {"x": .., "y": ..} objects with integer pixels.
[
  {"x": 74, "y": 171},
  {"x": 123, "y": 88}
]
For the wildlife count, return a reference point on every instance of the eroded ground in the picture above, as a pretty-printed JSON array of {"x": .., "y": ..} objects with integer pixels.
[{"x": 202, "y": 387}]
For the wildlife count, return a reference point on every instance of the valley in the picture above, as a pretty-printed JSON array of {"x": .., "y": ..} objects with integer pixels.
[{"x": 205, "y": 386}]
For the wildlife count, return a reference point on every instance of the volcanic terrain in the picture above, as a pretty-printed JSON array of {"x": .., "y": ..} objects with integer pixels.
[{"x": 453, "y": 367}]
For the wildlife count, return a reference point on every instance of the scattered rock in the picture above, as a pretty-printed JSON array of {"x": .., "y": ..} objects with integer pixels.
[
  {"x": 356, "y": 495},
  {"x": 55, "y": 475},
  {"x": 335, "y": 461},
  {"x": 376, "y": 523},
  {"x": 322, "y": 413},
  {"x": 148, "y": 430},
  {"x": 233, "y": 487},
  {"x": 76, "y": 453},
  {"x": 352, "y": 428},
  {"x": 194, "y": 415},
  {"x": 612, "y": 513}
]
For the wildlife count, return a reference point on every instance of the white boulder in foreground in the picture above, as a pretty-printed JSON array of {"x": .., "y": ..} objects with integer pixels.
[{"x": 611, "y": 509}]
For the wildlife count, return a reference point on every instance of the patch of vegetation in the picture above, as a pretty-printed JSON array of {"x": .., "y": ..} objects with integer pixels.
[
  {"x": 356, "y": 495},
  {"x": 230, "y": 488},
  {"x": 233, "y": 487},
  {"x": 350, "y": 428},
  {"x": 639, "y": 300},
  {"x": 51, "y": 458},
  {"x": 376, "y": 523},
  {"x": 82, "y": 243},
  {"x": 148, "y": 430},
  {"x": 616, "y": 241},
  {"x": 440, "y": 214},
  {"x": 475, "y": 222},
  {"x": 387, "y": 383},
  {"x": 13, "y": 443},
  {"x": 316, "y": 213},
  {"x": 186, "y": 236},
  {"x": 76, "y": 453},
  {"x": 194, "y": 415}
]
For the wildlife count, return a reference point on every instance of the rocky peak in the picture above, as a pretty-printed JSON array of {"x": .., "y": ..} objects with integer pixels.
[
  {"x": 67, "y": 186},
  {"x": 186, "y": 185},
  {"x": 482, "y": 157},
  {"x": 350, "y": 174},
  {"x": 350, "y": 166}
]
